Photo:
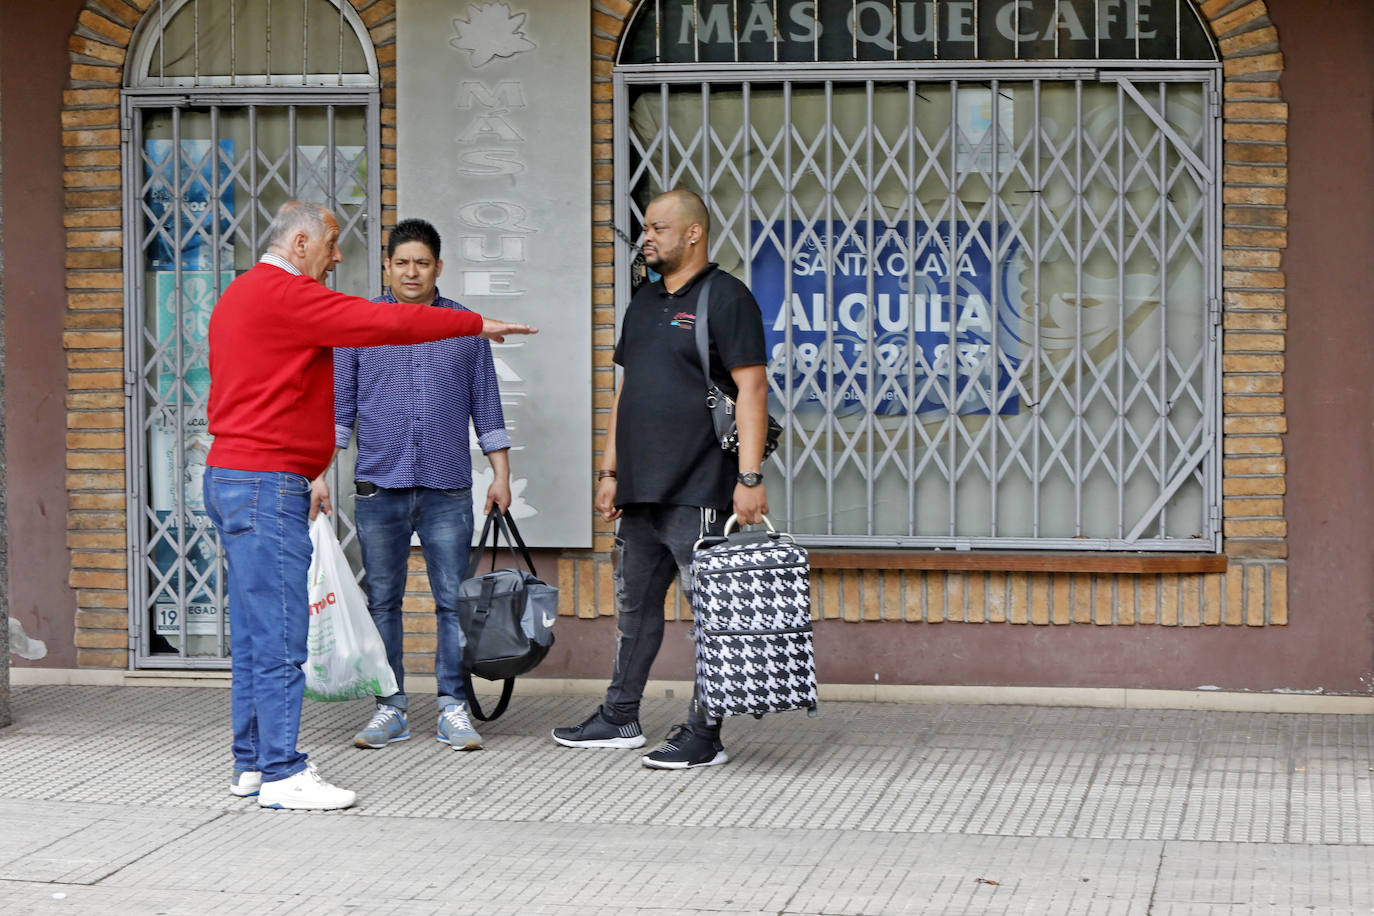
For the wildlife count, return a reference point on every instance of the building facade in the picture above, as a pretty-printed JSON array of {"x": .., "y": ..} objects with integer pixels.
[{"x": 1026, "y": 269}]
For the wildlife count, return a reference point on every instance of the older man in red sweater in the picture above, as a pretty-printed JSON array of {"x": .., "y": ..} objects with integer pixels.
[{"x": 272, "y": 336}]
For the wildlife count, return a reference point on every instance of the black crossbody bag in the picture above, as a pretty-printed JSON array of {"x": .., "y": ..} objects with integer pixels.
[{"x": 721, "y": 405}]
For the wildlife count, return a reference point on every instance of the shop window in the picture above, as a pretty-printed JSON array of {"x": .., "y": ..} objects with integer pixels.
[{"x": 990, "y": 286}]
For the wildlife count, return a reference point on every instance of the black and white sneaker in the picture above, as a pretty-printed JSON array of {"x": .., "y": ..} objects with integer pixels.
[
  {"x": 597, "y": 732},
  {"x": 684, "y": 750}
]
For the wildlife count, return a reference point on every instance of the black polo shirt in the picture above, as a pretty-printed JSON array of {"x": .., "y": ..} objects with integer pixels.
[{"x": 666, "y": 449}]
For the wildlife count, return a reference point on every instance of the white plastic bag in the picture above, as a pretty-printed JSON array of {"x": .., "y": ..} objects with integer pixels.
[{"x": 347, "y": 658}]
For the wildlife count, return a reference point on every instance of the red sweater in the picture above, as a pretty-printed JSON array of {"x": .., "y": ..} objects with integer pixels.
[{"x": 272, "y": 364}]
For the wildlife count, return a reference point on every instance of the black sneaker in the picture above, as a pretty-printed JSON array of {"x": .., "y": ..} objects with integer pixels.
[
  {"x": 683, "y": 750},
  {"x": 597, "y": 732}
]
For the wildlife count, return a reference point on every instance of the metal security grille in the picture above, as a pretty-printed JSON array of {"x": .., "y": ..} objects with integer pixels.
[
  {"x": 243, "y": 43},
  {"x": 212, "y": 145},
  {"x": 990, "y": 294}
]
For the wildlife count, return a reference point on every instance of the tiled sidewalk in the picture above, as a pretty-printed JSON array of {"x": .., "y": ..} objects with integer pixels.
[{"x": 114, "y": 801}]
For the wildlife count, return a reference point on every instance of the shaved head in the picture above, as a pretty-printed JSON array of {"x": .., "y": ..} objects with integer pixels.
[
  {"x": 689, "y": 207},
  {"x": 676, "y": 227}
]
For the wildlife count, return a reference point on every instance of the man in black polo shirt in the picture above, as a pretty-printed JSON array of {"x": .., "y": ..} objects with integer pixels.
[{"x": 663, "y": 473}]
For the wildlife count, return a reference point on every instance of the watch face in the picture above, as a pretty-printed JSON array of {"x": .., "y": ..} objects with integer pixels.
[{"x": 751, "y": 479}]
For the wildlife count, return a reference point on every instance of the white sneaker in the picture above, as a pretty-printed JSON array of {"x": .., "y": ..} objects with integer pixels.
[
  {"x": 246, "y": 783},
  {"x": 305, "y": 791}
]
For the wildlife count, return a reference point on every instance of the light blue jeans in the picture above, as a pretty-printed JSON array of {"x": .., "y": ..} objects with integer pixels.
[
  {"x": 263, "y": 523},
  {"x": 443, "y": 519}
]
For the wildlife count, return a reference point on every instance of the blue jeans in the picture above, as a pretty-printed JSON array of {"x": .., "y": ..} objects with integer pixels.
[
  {"x": 443, "y": 519},
  {"x": 263, "y": 523},
  {"x": 653, "y": 546}
]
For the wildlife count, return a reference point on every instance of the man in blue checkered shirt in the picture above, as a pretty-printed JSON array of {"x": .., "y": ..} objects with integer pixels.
[{"x": 412, "y": 407}]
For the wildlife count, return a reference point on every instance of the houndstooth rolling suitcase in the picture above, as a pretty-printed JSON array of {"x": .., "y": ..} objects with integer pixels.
[{"x": 751, "y": 598}]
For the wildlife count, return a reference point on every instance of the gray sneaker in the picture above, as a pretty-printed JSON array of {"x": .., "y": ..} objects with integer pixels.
[
  {"x": 387, "y": 724},
  {"x": 455, "y": 729}
]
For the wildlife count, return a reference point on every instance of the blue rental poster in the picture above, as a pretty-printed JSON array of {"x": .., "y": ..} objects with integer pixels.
[
  {"x": 195, "y": 171},
  {"x": 948, "y": 313}
]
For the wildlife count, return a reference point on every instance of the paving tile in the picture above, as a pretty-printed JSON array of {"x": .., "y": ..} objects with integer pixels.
[
  {"x": 869, "y": 808},
  {"x": 1266, "y": 878}
]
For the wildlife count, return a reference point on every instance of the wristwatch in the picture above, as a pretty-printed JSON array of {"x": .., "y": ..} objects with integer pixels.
[{"x": 750, "y": 478}]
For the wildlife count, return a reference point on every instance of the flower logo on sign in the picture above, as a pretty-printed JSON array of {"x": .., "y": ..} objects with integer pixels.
[{"x": 490, "y": 31}]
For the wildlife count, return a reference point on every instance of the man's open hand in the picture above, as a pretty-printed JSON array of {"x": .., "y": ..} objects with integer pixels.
[{"x": 494, "y": 329}]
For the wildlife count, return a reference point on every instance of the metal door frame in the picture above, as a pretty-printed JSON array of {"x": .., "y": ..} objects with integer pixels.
[{"x": 134, "y": 104}]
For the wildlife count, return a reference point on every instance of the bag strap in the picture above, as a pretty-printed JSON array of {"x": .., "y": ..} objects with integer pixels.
[
  {"x": 703, "y": 333},
  {"x": 481, "y": 609},
  {"x": 507, "y": 688},
  {"x": 474, "y": 639},
  {"x": 513, "y": 535},
  {"x": 475, "y": 559},
  {"x": 499, "y": 523}
]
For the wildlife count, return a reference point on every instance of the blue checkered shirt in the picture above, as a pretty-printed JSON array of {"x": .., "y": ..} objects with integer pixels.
[{"x": 412, "y": 406}]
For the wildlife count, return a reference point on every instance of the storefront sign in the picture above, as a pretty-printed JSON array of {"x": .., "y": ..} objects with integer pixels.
[
  {"x": 494, "y": 148},
  {"x": 940, "y": 301},
  {"x": 756, "y": 30}
]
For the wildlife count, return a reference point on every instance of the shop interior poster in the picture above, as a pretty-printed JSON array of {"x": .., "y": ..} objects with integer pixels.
[
  {"x": 187, "y": 236},
  {"x": 181, "y": 326}
]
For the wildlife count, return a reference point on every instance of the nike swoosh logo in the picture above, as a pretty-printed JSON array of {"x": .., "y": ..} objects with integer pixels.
[{"x": 548, "y": 621}]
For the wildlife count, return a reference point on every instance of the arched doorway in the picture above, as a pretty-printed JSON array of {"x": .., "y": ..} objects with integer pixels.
[{"x": 227, "y": 111}]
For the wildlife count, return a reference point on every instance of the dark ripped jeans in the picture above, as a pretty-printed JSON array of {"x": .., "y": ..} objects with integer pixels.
[{"x": 653, "y": 544}]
